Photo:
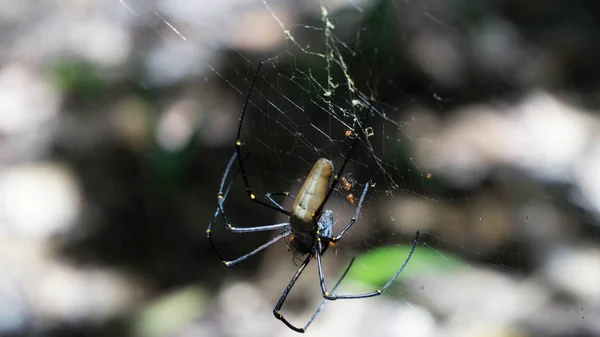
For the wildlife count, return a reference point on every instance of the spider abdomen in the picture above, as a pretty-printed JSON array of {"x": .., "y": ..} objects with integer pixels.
[{"x": 309, "y": 199}]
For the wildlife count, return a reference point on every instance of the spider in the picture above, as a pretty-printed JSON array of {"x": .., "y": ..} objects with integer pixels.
[{"x": 310, "y": 226}]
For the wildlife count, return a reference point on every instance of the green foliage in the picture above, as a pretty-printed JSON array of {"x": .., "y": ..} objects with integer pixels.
[
  {"x": 376, "y": 267},
  {"x": 78, "y": 78}
]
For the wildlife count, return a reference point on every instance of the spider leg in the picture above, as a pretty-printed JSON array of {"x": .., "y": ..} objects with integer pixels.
[
  {"x": 269, "y": 196},
  {"x": 377, "y": 292},
  {"x": 277, "y": 309},
  {"x": 220, "y": 211},
  {"x": 235, "y": 230},
  {"x": 353, "y": 220},
  {"x": 238, "y": 150},
  {"x": 332, "y": 290},
  {"x": 336, "y": 177},
  {"x": 253, "y": 229},
  {"x": 242, "y": 258},
  {"x": 221, "y": 196}
]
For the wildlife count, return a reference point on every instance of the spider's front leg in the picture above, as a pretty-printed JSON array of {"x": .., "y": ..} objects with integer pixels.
[
  {"x": 353, "y": 220},
  {"x": 221, "y": 197},
  {"x": 269, "y": 196}
]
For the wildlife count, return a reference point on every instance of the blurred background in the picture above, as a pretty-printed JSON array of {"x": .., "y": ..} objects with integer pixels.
[{"x": 118, "y": 118}]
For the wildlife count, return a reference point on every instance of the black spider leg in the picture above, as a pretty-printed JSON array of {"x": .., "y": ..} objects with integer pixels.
[
  {"x": 238, "y": 149},
  {"x": 277, "y": 309},
  {"x": 377, "y": 292},
  {"x": 332, "y": 290},
  {"x": 221, "y": 211},
  {"x": 269, "y": 196},
  {"x": 353, "y": 220},
  {"x": 336, "y": 179}
]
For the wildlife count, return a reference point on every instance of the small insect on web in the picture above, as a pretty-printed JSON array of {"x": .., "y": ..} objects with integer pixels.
[{"x": 310, "y": 226}]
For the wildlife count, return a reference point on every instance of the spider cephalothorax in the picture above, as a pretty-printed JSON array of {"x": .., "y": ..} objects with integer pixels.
[{"x": 304, "y": 243}]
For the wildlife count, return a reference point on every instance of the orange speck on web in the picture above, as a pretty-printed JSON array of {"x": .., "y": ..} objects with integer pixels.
[
  {"x": 346, "y": 184},
  {"x": 350, "y": 198}
]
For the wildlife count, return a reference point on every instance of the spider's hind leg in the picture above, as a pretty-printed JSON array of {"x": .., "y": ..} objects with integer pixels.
[
  {"x": 332, "y": 291},
  {"x": 277, "y": 310},
  {"x": 330, "y": 296}
]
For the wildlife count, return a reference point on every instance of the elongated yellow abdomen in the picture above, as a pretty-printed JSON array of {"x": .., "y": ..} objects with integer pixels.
[{"x": 310, "y": 197}]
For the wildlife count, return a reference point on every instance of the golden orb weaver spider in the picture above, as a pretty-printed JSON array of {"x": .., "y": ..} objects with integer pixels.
[{"x": 311, "y": 227}]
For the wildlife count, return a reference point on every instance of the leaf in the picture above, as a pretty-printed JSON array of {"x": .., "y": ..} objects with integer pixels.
[{"x": 378, "y": 266}]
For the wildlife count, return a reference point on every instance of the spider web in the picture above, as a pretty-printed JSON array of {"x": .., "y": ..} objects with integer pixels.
[
  {"x": 309, "y": 102},
  {"x": 332, "y": 79},
  {"x": 476, "y": 123},
  {"x": 397, "y": 74},
  {"x": 329, "y": 83}
]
